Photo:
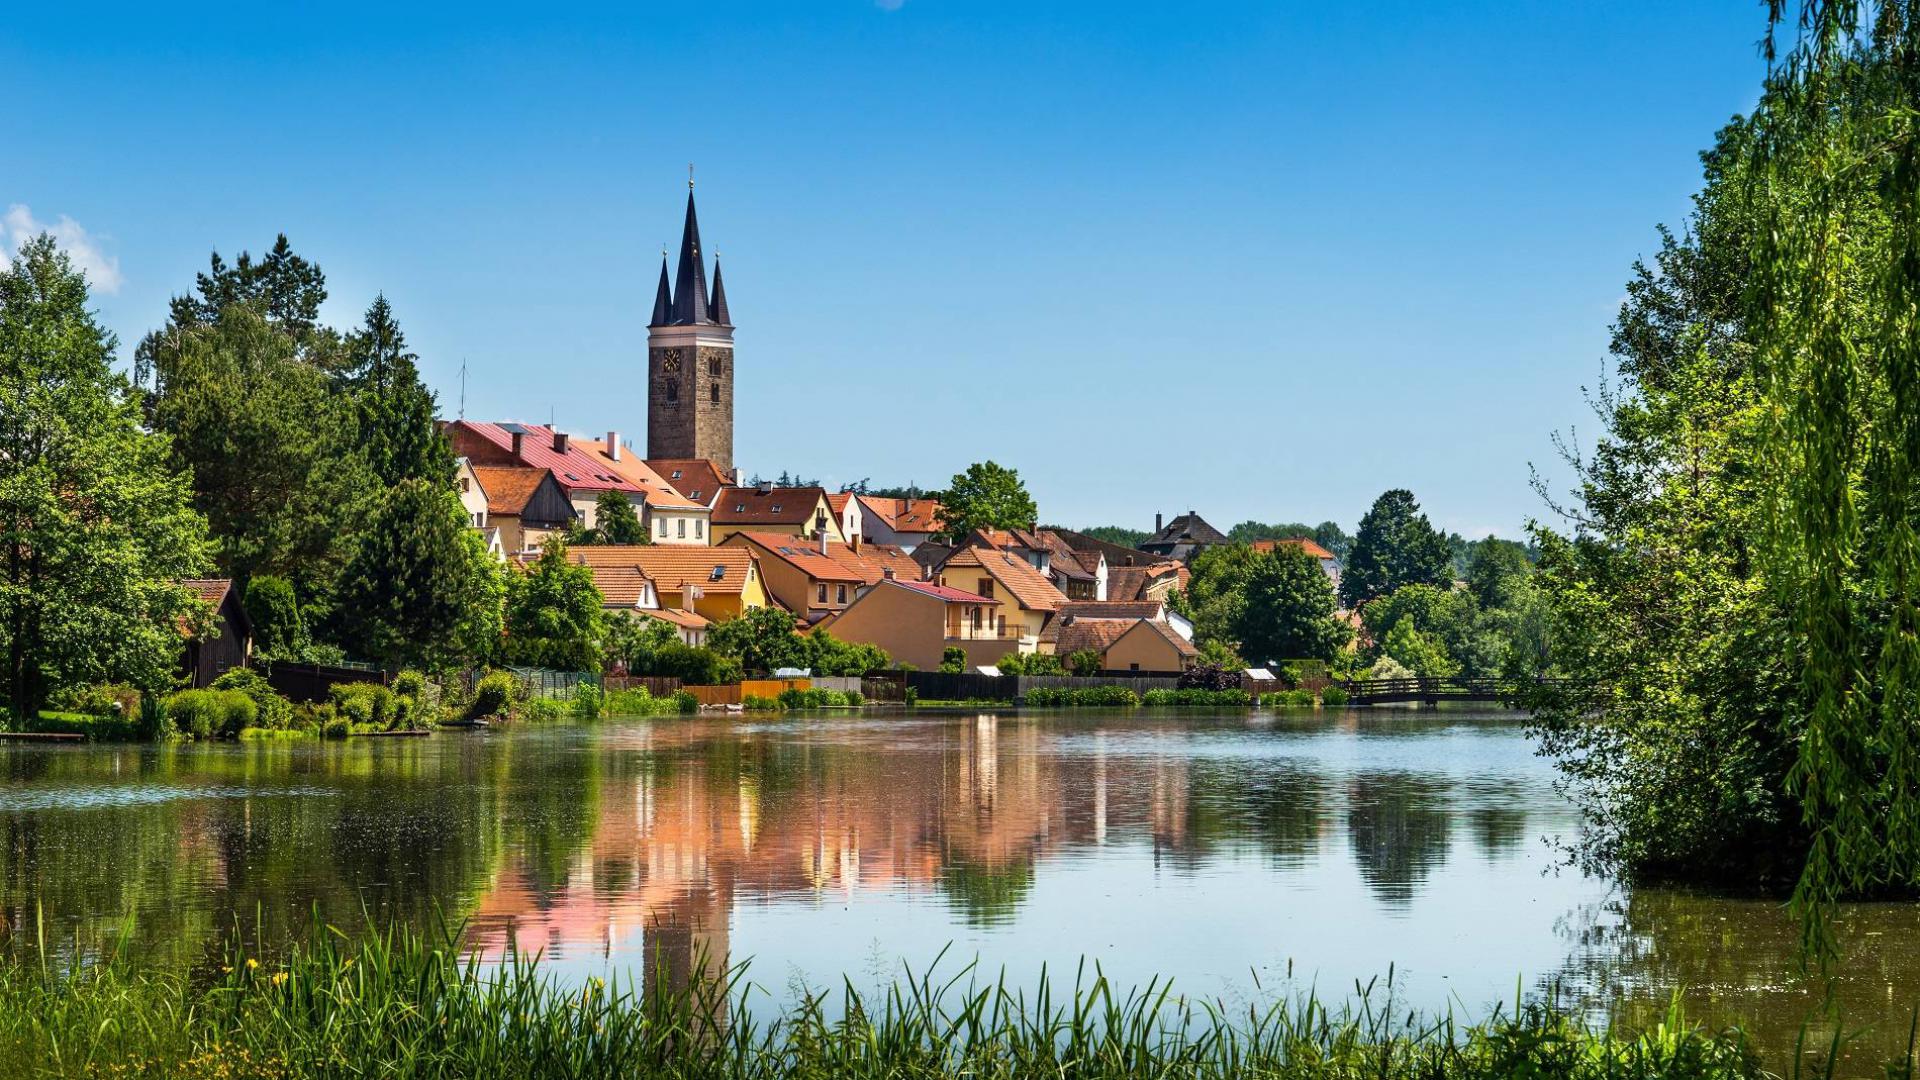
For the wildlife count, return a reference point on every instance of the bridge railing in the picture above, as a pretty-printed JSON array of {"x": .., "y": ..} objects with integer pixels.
[{"x": 1482, "y": 688}]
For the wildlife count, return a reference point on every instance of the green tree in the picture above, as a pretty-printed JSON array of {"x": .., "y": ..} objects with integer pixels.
[
  {"x": 1496, "y": 571},
  {"x": 761, "y": 639},
  {"x": 1288, "y": 609},
  {"x": 615, "y": 520},
  {"x": 1215, "y": 597},
  {"x": 272, "y": 608},
  {"x": 1395, "y": 546},
  {"x": 633, "y": 641},
  {"x": 96, "y": 525},
  {"x": 420, "y": 589},
  {"x": 828, "y": 655},
  {"x": 986, "y": 496},
  {"x": 1417, "y": 651},
  {"x": 1118, "y": 534},
  {"x": 398, "y": 432},
  {"x": 953, "y": 660},
  {"x": 554, "y": 614}
]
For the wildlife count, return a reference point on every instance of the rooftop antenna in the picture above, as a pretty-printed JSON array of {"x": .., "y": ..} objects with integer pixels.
[
  {"x": 463, "y": 388},
  {"x": 689, "y": 176}
]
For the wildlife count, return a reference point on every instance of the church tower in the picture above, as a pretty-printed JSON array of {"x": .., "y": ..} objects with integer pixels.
[{"x": 690, "y": 359}]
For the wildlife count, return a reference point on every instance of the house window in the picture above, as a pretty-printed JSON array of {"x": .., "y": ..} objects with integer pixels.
[
  {"x": 823, "y": 592},
  {"x": 680, "y": 527},
  {"x": 840, "y": 594},
  {"x": 1003, "y": 626},
  {"x": 673, "y": 389},
  {"x": 716, "y": 393},
  {"x": 663, "y": 526},
  {"x": 1133, "y": 667},
  {"x": 699, "y": 528},
  {"x": 985, "y": 587},
  {"x": 976, "y": 620}
]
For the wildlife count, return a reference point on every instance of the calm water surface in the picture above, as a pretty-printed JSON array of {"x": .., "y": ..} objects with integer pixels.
[{"x": 1244, "y": 857}]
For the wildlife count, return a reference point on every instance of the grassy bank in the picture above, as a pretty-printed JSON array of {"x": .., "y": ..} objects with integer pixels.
[{"x": 400, "y": 1004}]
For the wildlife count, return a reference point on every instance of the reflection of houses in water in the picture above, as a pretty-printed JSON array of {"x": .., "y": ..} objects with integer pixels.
[{"x": 701, "y": 817}]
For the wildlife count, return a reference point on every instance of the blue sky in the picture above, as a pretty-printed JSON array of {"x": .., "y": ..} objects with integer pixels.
[{"x": 1261, "y": 260}]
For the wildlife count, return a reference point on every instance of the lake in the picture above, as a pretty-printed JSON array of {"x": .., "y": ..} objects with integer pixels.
[{"x": 1243, "y": 856}]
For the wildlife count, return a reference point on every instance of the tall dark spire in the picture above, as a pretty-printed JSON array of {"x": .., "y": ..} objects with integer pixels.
[
  {"x": 690, "y": 281},
  {"x": 662, "y": 297},
  {"x": 717, "y": 309}
]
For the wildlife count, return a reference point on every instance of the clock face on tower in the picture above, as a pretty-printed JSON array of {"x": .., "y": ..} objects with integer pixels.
[{"x": 670, "y": 361}]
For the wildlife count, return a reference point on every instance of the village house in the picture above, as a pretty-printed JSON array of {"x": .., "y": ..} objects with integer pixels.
[
  {"x": 1131, "y": 644},
  {"x": 1155, "y": 581},
  {"x": 1077, "y": 575},
  {"x": 698, "y": 479},
  {"x": 581, "y": 477},
  {"x": 917, "y": 621},
  {"x": 902, "y": 523},
  {"x": 715, "y": 583},
  {"x": 798, "y": 512},
  {"x": 669, "y": 516},
  {"x": 1028, "y": 599},
  {"x": 1156, "y": 610},
  {"x": 627, "y": 591},
  {"x": 474, "y": 501},
  {"x": 1326, "y": 559},
  {"x": 228, "y": 641},
  {"x": 846, "y": 507},
  {"x": 523, "y": 505},
  {"x": 1182, "y": 538},
  {"x": 801, "y": 575}
]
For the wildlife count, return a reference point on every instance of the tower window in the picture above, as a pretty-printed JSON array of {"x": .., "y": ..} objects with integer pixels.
[
  {"x": 713, "y": 366},
  {"x": 716, "y": 393},
  {"x": 673, "y": 389}
]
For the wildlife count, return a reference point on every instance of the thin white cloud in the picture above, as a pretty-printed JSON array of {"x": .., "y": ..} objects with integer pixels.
[
  {"x": 19, "y": 225},
  {"x": 889, "y": 5}
]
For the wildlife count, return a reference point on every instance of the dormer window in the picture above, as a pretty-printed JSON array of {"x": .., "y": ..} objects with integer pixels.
[
  {"x": 776, "y": 508},
  {"x": 739, "y": 508}
]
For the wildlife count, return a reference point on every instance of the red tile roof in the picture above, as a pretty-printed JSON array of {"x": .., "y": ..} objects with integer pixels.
[
  {"x": 904, "y": 515},
  {"x": 507, "y": 487},
  {"x": 801, "y": 554},
  {"x": 872, "y": 561},
  {"x": 1300, "y": 542},
  {"x": 573, "y": 469},
  {"x": 942, "y": 592},
  {"x": 767, "y": 506},
  {"x": 673, "y": 565},
  {"x": 691, "y": 620},
  {"x": 697, "y": 478},
  {"x": 1015, "y": 574},
  {"x": 660, "y": 494}
]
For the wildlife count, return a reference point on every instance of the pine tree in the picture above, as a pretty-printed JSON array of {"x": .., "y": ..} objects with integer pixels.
[
  {"x": 615, "y": 520},
  {"x": 398, "y": 432},
  {"x": 1395, "y": 546},
  {"x": 420, "y": 589}
]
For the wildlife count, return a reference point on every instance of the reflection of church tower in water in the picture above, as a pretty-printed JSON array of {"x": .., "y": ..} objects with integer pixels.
[{"x": 690, "y": 358}]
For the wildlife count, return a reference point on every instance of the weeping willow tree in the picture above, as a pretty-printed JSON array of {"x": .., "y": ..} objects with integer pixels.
[{"x": 1834, "y": 296}]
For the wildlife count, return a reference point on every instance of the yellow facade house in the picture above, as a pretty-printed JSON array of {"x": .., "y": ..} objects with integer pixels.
[
  {"x": 797, "y": 511},
  {"x": 724, "y": 582},
  {"x": 1027, "y": 599},
  {"x": 917, "y": 621}
]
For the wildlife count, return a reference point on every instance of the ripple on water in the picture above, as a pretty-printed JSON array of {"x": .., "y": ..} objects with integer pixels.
[{"x": 109, "y": 796}]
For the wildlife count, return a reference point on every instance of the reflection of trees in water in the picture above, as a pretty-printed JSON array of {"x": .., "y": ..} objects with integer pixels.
[
  {"x": 1398, "y": 825},
  {"x": 1280, "y": 807},
  {"x": 1498, "y": 819},
  {"x": 1736, "y": 960},
  {"x": 986, "y": 895}
]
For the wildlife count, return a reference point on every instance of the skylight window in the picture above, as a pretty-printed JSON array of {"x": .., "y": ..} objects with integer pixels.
[
  {"x": 719, "y": 571},
  {"x": 776, "y": 508}
]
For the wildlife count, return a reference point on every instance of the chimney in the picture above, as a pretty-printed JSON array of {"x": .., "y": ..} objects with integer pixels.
[
  {"x": 559, "y": 442},
  {"x": 1156, "y": 523},
  {"x": 853, "y": 542},
  {"x": 823, "y": 543},
  {"x": 613, "y": 446},
  {"x": 686, "y": 596},
  {"x": 519, "y": 437},
  {"x": 887, "y": 573}
]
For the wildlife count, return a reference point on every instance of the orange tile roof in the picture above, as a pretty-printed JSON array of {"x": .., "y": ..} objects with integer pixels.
[
  {"x": 801, "y": 554},
  {"x": 1132, "y": 582},
  {"x": 672, "y": 565},
  {"x": 698, "y": 479},
  {"x": 946, "y": 593},
  {"x": 620, "y": 585},
  {"x": 872, "y": 561},
  {"x": 904, "y": 515},
  {"x": 767, "y": 506},
  {"x": 838, "y": 500},
  {"x": 691, "y": 620},
  {"x": 1095, "y": 634},
  {"x": 507, "y": 487},
  {"x": 1029, "y": 586},
  {"x": 1300, "y": 542},
  {"x": 1180, "y": 645},
  {"x": 1113, "y": 609},
  {"x": 630, "y": 468}
]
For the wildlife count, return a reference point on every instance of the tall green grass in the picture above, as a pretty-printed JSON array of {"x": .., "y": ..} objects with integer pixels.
[{"x": 398, "y": 1003}]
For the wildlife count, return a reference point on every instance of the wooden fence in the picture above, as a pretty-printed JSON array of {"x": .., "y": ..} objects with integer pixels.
[
  {"x": 657, "y": 685},
  {"x": 309, "y": 682},
  {"x": 737, "y": 693},
  {"x": 962, "y": 686}
]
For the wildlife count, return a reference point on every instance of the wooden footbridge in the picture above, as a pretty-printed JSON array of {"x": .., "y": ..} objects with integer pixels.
[{"x": 1433, "y": 691}]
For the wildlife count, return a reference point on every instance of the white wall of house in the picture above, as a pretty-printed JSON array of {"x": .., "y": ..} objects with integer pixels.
[
  {"x": 472, "y": 499},
  {"x": 672, "y": 525}
]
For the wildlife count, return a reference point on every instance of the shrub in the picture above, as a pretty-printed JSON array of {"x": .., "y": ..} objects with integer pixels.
[
  {"x": 1334, "y": 697},
  {"x": 338, "y": 727},
  {"x": 795, "y": 698},
  {"x": 1288, "y": 699},
  {"x": 685, "y": 703},
  {"x": 1202, "y": 699},
  {"x": 588, "y": 701},
  {"x": 759, "y": 703},
  {"x": 309, "y": 716},
  {"x": 493, "y": 695},
  {"x": 695, "y": 665},
  {"x": 542, "y": 709},
  {"x": 155, "y": 723},
  {"x": 1084, "y": 663},
  {"x": 953, "y": 660},
  {"x": 117, "y": 700},
  {"x": 273, "y": 711},
  {"x": 1081, "y": 697},
  {"x": 1210, "y": 675},
  {"x": 199, "y": 714},
  {"x": 111, "y": 728},
  {"x": 365, "y": 704}
]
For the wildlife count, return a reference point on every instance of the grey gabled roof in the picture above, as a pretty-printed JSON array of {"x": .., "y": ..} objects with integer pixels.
[{"x": 1188, "y": 528}]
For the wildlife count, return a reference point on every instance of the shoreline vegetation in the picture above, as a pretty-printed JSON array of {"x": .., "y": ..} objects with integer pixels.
[{"x": 398, "y": 1002}]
